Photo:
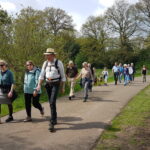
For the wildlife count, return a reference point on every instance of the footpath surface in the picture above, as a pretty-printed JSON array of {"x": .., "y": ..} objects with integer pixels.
[{"x": 79, "y": 124}]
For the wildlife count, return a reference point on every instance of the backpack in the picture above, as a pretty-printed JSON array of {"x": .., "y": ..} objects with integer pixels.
[{"x": 37, "y": 68}]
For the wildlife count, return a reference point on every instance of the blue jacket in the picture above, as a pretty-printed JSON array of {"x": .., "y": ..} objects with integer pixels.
[{"x": 31, "y": 81}]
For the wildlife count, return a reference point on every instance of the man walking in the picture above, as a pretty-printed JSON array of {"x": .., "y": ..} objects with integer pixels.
[
  {"x": 115, "y": 70},
  {"x": 71, "y": 73},
  {"x": 53, "y": 73}
]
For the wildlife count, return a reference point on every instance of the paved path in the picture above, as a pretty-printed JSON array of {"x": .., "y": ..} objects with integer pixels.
[{"x": 79, "y": 124}]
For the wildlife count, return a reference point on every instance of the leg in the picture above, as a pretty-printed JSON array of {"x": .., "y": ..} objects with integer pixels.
[
  {"x": 86, "y": 90},
  {"x": 28, "y": 104},
  {"x": 10, "y": 118},
  {"x": 72, "y": 84},
  {"x": 52, "y": 94},
  {"x": 36, "y": 103}
]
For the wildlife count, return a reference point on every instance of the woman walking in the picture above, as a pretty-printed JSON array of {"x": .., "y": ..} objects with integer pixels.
[
  {"x": 144, "y": 72},
  {"x": 86, "y": 76},
  {"x": 105, "y": 75},
  {"x": 30, "y": 93},
  {"x": 6, "y": 88}
]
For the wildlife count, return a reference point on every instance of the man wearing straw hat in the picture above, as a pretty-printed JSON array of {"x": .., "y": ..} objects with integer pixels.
[{"x": 53, "y": 73}]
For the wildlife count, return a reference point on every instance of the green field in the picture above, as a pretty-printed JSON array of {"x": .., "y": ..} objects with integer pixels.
[{"x": 126, "y": 130}]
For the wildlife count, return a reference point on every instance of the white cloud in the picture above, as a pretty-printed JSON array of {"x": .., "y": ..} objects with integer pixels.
[
  {"x": 8, "y": 6},
  {"x": 106, "y": 3}
]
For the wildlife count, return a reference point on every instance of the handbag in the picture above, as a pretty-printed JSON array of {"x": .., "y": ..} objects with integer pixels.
[{"x": 14, "y": 96}]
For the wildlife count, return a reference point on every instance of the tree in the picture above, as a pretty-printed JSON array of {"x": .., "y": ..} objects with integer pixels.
[
  {"x": 96, "y": 29},
  {"x": 143, "y": 8},
  {"x": 57, "y": 20},
  {"x": 122, "y": 20}
]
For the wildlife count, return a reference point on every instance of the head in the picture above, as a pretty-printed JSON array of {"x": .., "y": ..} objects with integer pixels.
[
  {"x": 144, "y": 66},
  {"x": 3, "y": 65},
  {"x": 71, "y": 64},
  {"x": 125, "y": 65},
  {"x": 132, "y": 64},
  {"x": 116, "y": 64},
  {"x": 50, "y": 54},
  {"x": 29, "y": 65},
  {"x": 89, "y": 65},
  {"x": 105, "y": 68},
  {"x": 120, "y": 64},
  {"x": 85, "y": 64}
]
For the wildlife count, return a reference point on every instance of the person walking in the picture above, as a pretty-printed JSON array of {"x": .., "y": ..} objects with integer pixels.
[
  {"x": 30, "y": 94},
  {"x": 53, "y": 73},
  {"x": 134, "y": 71},
  {"x": 115, "y": 71},
  {"x": 71, "y": 73},
  {"x": 144, "y": 73},
  {"x": 105, "y": 75},
  {"x": 6, "y": 88},
  {"x": 120, "y": 72},
  {"x": 86, "y": 76},
  {"x": 91, "y": 80},
  {"x": 130, "y": 73},
  {"x": 126, "y": 74}
]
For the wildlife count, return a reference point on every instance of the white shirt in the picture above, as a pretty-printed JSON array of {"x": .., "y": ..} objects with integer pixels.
[
  {"x": 51, "y": 71},
  {"x": 105, "y": 73},
  {"x": 130, "y": 70},
  {"x": 115, "y": 69}
]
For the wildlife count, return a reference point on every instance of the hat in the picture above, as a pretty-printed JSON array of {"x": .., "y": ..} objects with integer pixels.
[
  {"x": 49, "y": 51},
  {"x": 70, "y": 62}
]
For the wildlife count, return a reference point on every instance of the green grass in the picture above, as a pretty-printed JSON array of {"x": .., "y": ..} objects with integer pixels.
[{"x": 133, "y": 115}]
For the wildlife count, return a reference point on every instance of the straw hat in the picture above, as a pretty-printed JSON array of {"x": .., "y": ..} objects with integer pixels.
[
  {"x": 70, "y": 62},
  {"x": 50, "y": 51}
]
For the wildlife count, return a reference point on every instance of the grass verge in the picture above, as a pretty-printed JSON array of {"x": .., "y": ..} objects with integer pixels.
[{"x": 130, "y": 129}]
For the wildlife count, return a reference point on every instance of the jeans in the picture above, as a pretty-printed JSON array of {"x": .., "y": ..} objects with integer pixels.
[
  {"x": 85, "y": 83},
  {"x": 52, "y": 91},
  {"x": 144, "y": 78},
  {"x": 116, "y": 77},
  {"x": 120, "y": 77},
  {"x": 126, "y": 79},
  {"x": 35, "y": 102}
]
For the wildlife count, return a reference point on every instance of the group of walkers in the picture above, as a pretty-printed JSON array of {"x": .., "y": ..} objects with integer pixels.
[
  {"x": 53, "y": 74},
  {"x": 126, "y": 72}
]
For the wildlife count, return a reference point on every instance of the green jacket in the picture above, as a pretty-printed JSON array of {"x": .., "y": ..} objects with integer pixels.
[{"x": 31, "y": 81}]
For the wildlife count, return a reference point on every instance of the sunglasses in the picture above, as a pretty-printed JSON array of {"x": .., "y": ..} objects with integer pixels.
[
  {"x": 28, "y": 64},
  {"x": 2, "y": 65}
]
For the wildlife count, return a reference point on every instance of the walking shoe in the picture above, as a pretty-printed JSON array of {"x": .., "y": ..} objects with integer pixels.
[
  {"x": 9, "y": 119},
  {"x": 51, "y": 127},
  {"x": 84, "y": 100},
  {"x": 55, "y": 122},
  {"x": 28, "y": 119},
  {"x": 70, "y": 98},
  {"x": 42, "y": 111},
  {"x": 73, "y": 96}
]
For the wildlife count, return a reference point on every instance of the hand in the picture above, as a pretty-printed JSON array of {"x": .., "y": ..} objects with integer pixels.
[
  {"x": 10, "y": 94},
  {"x": 35, "y": 93},
  {"x": 38, "y": 88},
  {"x": 49, "y": 79}
]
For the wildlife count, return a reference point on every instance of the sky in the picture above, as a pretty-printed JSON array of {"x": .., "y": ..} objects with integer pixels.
[{"x": 80, "y": 10}]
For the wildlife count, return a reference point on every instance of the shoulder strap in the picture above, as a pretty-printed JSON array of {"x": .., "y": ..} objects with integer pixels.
[{"x": 56, "y": 66}]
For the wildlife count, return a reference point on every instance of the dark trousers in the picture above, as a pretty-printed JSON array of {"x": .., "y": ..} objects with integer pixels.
[
  {"x": 10, "y": 109},
  {"x": 116, "y": 77},
  {"x": 52, "y": 91},
  {"x": 35, "y": 102}
]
